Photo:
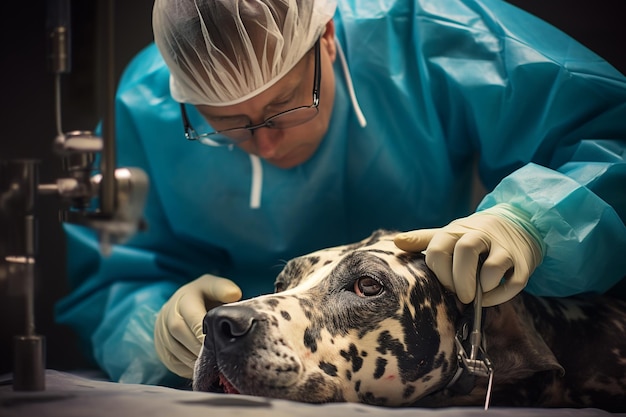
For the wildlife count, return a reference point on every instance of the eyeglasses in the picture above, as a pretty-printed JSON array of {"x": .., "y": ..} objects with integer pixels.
[{"x": 282, "y": 120}]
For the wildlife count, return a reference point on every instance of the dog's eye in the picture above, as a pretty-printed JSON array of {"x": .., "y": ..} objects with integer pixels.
[
  {"x": 367, "y": 287},
  {"x": 279, "y": 287}
]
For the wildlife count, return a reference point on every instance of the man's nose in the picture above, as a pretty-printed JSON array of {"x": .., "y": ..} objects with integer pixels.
[{"x": 266, "y": 141}]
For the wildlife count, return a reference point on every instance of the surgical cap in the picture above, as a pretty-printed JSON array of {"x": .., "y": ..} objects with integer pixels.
[{"x": 223, "y": 52}]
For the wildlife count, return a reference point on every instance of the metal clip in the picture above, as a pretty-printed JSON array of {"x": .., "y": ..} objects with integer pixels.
[{"x": 477, "y": 363}]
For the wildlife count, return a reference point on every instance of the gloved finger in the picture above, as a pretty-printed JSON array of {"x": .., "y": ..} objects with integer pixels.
[
  {"x": 501, "y": 294},
  {"x": 439, "y": 258},
  {"x": 495, "y": 268},
  {"x": 179, "y": 360},
  {"x": 221, "y": 289},
  {"x": 415, "y": 240},
  {"x": 171, "y": 352},
  {"x": 186, "y": 324},
  {"x": 509, "y": 288},
  {"x": 465, "y": 260}
]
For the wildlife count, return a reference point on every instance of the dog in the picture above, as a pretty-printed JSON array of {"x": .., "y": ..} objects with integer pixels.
[{"x": 370, "y": 323}]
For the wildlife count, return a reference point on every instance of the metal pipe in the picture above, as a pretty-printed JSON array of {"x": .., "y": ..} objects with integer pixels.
[
  {"x": 108, "y": 163},
  {"x": 59, "y": 32},
  {"x": 18, "y": 249}
]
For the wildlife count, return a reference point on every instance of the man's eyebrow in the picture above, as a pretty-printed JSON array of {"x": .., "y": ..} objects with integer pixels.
[
  {"x": 224, "y": 117},
  {"x": 279, "y": 99}
]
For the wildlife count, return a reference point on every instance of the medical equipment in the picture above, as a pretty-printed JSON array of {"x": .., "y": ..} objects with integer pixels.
[
  {"x": 116, "y": 214},
  {"x": 18, "y": 246},
  {"x": 477, "y": 362}
]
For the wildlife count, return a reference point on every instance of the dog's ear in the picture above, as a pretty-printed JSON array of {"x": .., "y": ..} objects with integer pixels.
[{"x": 514, "y": 345}]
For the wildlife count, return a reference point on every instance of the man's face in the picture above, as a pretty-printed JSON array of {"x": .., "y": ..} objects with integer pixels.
[{"x": 290, "y": 147}]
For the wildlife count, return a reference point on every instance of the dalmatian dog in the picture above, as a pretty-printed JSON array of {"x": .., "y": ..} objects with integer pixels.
[{"x": 370, "y": 323}]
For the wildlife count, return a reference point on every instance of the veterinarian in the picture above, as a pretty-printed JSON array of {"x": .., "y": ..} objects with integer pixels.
[{"x": 327, "y": 120}]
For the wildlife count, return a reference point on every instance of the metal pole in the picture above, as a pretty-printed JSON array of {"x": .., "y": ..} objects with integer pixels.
[{"x": 108, "y": 163}]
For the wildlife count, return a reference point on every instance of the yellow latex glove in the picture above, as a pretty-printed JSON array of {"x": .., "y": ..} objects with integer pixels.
[
  {"x": 178, "y": 333},
  {"x": 503, "y": 234}
]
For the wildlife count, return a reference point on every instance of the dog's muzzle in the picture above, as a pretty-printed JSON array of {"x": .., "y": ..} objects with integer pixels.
[{"x": 229, "y": 327}]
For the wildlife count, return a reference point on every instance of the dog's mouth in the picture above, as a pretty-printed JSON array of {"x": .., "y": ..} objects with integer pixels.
[
  {"x": 209, "y": 378},
  {"x": 217, "y": 383},
  {"x": 226, "y": 386}
]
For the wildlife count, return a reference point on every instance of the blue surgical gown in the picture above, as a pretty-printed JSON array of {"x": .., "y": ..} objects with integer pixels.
[{"x": 448, "y": 88}]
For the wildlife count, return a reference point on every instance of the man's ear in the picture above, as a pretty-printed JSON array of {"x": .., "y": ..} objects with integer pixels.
[
  {"x": 328, "y": 40},
  {"x": 514, "y": 345}
]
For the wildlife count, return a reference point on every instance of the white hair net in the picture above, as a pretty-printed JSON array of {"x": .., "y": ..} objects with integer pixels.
[{"x": 223, "y": 52}]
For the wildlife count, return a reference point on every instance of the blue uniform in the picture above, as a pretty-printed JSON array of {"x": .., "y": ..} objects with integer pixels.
[{"x": 445, "y": 86}]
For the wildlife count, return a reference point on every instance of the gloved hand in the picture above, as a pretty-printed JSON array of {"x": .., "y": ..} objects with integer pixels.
[
  {"x": 178, "y": 333},
  {"x": 503, "y": 233}
]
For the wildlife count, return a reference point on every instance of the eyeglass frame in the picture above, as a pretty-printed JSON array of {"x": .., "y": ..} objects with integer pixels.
[{"x": 192, "y": 135}]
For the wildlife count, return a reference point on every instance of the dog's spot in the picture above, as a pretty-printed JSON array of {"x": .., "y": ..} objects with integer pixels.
[
  {"x": 405, "y": 258},
  {"x": 371, "y": 399},
  {"x": 381, "y": 363},
  {"x": 442, "y": 362},
  {"x": 352, "y": 355},
  {"x": 328, "y": 368},
  {"x": 307, "y": 307},
  {"x": 294, "y": 272},
  {"x": 409, "y": 390},
  {"x": 285, "y": 315},
  {"x": 310, "y": 339},
  {"x": 411, "y": 366}
]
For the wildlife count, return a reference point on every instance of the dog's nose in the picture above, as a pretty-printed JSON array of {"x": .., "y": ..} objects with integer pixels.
[{"x": 228, "y": 324}]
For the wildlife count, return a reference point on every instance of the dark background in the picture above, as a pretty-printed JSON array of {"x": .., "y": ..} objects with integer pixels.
[{"x": 27, "y": 125}]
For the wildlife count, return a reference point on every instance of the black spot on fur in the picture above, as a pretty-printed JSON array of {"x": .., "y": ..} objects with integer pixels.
[
  {"x": 371, "y": 399},
  {"x": 405, "y": 258},
  {"x": 381, "y": 364},
  {"x": 314, "y": 383},
  {"x": 272, "y": 302},
  {"x": 411, "y": 366},
  {"x": 352, "y": 355},
  {"x": 328, "y": 368},
  {"x": 442, "y": 362},
  {"x": 310, "y": 340},
  {"x": 294, "y": 271},
  {"x": 285, "y": 315},
  {"x": 307, "y": 307},
  {"x": 408, "y": 391}
]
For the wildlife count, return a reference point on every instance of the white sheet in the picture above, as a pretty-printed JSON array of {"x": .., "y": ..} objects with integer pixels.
[{"x": 69, "y": 395}]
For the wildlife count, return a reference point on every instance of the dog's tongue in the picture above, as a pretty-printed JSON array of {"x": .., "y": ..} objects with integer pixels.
[{"x": 228, "y": 387}]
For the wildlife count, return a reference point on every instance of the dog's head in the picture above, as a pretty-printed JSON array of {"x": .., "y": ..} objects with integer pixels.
[{"x": 366, "y": 322}]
